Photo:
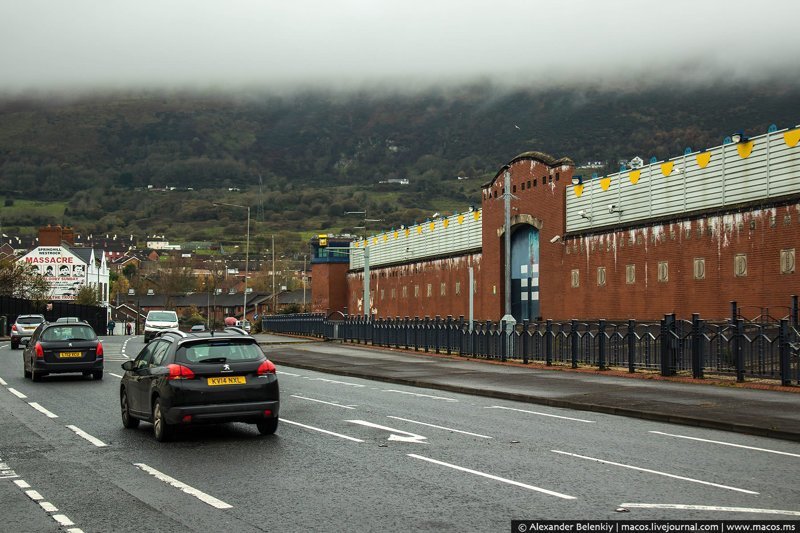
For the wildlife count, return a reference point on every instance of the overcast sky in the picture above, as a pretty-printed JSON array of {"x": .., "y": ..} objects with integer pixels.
[{"x": 54, "y": 45}]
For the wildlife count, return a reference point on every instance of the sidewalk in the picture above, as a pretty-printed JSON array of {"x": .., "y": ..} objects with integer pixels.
[{"x": 754, "y": 408}]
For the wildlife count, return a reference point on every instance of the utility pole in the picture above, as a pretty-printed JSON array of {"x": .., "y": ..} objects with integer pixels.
[
  {"x": 274, "y": 296},
  {"x": 508, "y": 318}
]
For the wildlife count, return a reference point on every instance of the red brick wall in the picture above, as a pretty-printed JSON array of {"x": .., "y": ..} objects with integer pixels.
[
  {"x": 758, "y": 234},
  {"x": 387, "y": 283},
  {"x": 329, "y": 287}
]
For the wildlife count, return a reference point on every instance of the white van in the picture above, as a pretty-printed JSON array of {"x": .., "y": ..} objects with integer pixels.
[{"x": 158, "y": 322}]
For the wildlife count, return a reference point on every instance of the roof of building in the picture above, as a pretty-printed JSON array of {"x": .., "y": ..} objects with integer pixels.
[{"x": 541, "y": 157}]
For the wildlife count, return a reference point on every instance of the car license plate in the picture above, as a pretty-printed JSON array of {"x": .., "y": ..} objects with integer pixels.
[
  {"x": 70, "y": 355},
  {"x": 227, "y": 380}
]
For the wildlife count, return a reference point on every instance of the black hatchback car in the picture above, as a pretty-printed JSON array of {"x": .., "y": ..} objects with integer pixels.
[
  {"x": 57, "y": 348},
  {"x": 180, "y": 379}
]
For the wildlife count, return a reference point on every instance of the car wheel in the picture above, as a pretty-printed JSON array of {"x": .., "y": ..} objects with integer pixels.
[
  {"x": 14, "y": 345},
  {"x": 161, "y": 430},
  {"x": 268, "y": 426},
  {"x": 128, "y": 421},
  {"x": 97, "y": 375}
]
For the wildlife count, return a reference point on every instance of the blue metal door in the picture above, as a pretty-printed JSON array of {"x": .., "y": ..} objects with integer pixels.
[{"x": 525, "y": 273}]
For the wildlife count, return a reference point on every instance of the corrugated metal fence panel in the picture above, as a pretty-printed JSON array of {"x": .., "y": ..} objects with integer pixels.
[
  {"x": 443, "y": 236},
  {"x": 683, "y": 184}
]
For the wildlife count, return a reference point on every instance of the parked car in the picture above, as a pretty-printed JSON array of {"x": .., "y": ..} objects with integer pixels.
[
  {"x": 197, "y": 328},
  {"x": 187, "y": 378},
  {"x": 57, "y": 348},
  {"x": 158, "y": 322},
  {"x": 68, "y": 319},
  {"x": 23, "y": 328}
]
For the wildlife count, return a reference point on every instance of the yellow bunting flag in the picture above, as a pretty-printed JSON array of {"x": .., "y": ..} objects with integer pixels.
[
  {"x": 745, "y": 149},
  {"x": 703, "y": 159},
  {"x": 634, "y": 176},
  {"x": 791, "y": 138},
  {"x": 477, "y": 215},
  {"x": 385, "y": 237},
  {"x": 446, "y": 223},
  {"x": 432, "y": 226},
  {"x": 375, "y": 240},
  {"x": 419, "y": 229},
  {"x": 408, "y": 231},
  {"x": 578, "y": 190},
  {"x": 396, "y": 234},
  {"x": 605, "y": 183},
  {"x": 666, "y": 168},
  {"x": 460, "y": 219}
]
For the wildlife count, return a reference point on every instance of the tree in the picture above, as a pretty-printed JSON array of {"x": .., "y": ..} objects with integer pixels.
[
  {"x": 87, "y": 295},
  {"x": 22, "y": 281}
]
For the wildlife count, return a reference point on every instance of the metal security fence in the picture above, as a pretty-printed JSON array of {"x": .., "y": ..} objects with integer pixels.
[{"x": 690, "y": 347}]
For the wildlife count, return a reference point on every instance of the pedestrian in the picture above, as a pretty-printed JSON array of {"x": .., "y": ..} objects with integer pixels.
[
  {"x": 127, "y": 328},
  {"x": 111, "y": 325}
]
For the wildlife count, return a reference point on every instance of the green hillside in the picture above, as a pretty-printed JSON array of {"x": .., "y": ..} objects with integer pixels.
[{"x": 301, "y": 161}]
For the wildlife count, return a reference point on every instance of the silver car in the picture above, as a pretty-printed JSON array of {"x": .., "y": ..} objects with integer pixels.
[{"x": 23, "y": 328}]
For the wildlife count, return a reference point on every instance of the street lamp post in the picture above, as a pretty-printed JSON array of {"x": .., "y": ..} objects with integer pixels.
[
  {"x": 367, "y": 303},
  {"x": 508, "y": 318},
  {"x": 246, "y": 257}
]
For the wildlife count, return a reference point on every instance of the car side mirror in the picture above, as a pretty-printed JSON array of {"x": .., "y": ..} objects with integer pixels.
[{"x": 127, "y": 365}]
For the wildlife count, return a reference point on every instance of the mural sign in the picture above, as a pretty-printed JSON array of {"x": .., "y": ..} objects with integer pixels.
[{"x": 65, "y": 272}]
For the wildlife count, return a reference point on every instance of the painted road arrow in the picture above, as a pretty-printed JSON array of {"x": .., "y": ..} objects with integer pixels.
[{"x": 412, "y": 437}]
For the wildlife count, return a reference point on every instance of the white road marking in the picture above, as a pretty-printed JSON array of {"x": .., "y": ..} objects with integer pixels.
[
  {"x": 655, "y": 472},
  {"x": 707, "y": 508},
  {"x": 202, "y": 496},
  {"x": 3, "y": 382},
  {"x": 541, "y": 414},
  {"x": 33, "y": 495},
  {"x": 322, "y": 401},
  {"x": 338, "y": 382},
  {"x": 81, "y": 433},
  {"x": 63, "y": 520},
  {"x": 21, "y": 483},
  {"x": 49, "y": 507},
  {"x": 312, "y": 428},
  {"x": 496, "y": 478},
  {"x": 412, "y": 437},
  {"x": 16, "y": 393},
  {"x": 421, "y": 395},
  {"x": 115, "y": 375},
  {"x": 726, "y": 444},
  {"x": 74, "y": 530},
  {"x": 283, "y": 373},
  {"x": 42, "y": 410},
  {"x": 440, "y": 427}
]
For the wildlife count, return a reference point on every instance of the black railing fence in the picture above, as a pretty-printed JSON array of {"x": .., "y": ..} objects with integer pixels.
[{"x": 755, "y": 350}]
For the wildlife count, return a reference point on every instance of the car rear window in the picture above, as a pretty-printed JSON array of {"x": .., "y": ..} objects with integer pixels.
[
  {"x": 163, "y": 316},
  {"x": 69, "y": 332},
  {"x": 30, "y": 320},
  {"x": 224, "y": 351}
]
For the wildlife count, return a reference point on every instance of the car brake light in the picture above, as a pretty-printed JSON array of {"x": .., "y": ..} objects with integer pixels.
[
  {"x": 99, "y": 352},
  {"x": 179, "y": 372},
  {"x": 266, "y": 368},
  {"x": 13, "y": 327},
  {"x": 39, "y": 351}
]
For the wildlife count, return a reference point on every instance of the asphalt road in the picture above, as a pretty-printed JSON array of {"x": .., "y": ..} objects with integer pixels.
[{"x": 360, "y": 455}]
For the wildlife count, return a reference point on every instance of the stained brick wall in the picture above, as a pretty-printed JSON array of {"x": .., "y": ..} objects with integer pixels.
[
  {"x": 741, "y": 255},
  {"x": 329, "y": 288}
]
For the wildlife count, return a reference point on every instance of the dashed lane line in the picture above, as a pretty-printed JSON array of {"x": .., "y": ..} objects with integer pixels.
[
  {"x": 200, "y": 495},
  {"x": 322, "y": 401},
  {"x": 115, "y": 375},
  {"x": 440, "y": 427},
  {"x": 45, "y": 412},
  {"x": 541, "y": 414},
  {"x": 493, "y": 477},
  {"x": 81, "y": 433},
  {"x": 658, "y": 473},
  {"x": 3, "y": 382},
  {"x": 726, "y": 444},
  {"x": 16, "y": 393},
  {"x": 680, "y": 506},
  {"x": 418, "y": 395},
  {"x": 320, "y": 430}
]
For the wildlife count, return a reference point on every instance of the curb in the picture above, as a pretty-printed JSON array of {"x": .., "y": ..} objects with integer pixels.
[{"x": 567, "y": 404}]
